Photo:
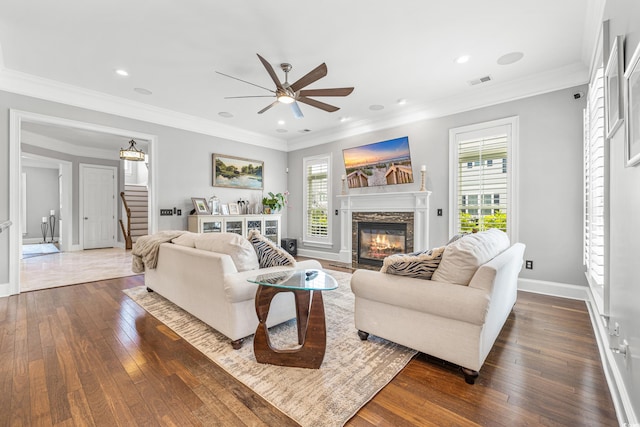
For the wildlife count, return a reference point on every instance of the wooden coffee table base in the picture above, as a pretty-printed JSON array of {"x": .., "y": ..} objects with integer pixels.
[{"x": 312, "y": 334}]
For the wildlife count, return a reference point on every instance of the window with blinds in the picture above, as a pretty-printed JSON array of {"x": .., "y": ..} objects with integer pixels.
[
  {"x": 482, "y": 175},
  {"x": 317, "y": 199},
  {"x": 482, "y": 184},
  {"x": 594, "y": 183}
]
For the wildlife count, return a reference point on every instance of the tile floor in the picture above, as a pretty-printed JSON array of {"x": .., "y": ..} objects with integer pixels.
[{"x": 67, "y": 268}]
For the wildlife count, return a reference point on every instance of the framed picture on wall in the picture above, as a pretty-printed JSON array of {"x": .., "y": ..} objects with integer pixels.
[
  {"x": 632, "y": 98},
  {"x": 237, "y": 172},
  {"x": 201, "y": 206},
  {"x": 614, "y": 88}
]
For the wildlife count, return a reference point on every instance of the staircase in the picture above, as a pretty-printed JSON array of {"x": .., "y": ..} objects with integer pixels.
[{"x": 135, "y": 201}]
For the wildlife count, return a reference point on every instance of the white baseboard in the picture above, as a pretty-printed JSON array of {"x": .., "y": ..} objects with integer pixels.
[
  {"x": 621, "y": 399},
  {"x": 32, "y": 240},
  {"x": 555, "y": 289},
  {"x": 328, "y": 256},
  {"x": 5, "y": 289}
]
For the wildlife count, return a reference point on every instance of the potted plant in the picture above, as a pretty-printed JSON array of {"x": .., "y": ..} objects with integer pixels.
[{"x": 274, "y": 202}]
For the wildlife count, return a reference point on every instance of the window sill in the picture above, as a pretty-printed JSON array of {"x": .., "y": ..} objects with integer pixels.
[{"x": 317, "y": 244}]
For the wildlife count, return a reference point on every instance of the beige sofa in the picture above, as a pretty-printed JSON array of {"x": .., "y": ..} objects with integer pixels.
[
  {"x": 458, "y": 323},
  {"x": 207, "y": 283}
]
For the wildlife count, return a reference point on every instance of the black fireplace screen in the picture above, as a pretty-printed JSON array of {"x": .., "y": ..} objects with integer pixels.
[{"x": 377, "y": 240}]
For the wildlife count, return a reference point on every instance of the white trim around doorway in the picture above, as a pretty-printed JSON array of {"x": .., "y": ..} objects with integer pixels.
[{"x": 16, "y": 118}]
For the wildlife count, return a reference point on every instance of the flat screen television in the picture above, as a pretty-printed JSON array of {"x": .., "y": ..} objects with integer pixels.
[{"x": 381, "y": 163}]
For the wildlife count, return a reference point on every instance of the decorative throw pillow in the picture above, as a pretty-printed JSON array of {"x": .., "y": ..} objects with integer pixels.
[
  {"x": 187, "y": 239},
  {"x": 269, "y": 254},
  {"x": 462, "y": 258},
  {"x": 419, "y": 265},
  {"x": 234, "y": 245}
]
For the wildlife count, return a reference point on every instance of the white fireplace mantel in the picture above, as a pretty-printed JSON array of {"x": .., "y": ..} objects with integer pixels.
[{"x": 413, "y": 201}]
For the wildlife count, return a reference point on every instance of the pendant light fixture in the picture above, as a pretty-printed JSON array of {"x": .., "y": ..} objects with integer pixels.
[{"x": 132, "y": 153}]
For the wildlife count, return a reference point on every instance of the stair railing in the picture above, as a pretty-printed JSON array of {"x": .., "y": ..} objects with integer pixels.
[{"x": 126, "y": 232}]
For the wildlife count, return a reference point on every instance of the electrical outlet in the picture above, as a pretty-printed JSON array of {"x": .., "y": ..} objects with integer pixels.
[
  {"x": 336, "y": 211},
  {"x": 179, "y": 212},
  {"x": 439, "y": 212},
  {"x": 166, "y": 212},
  {"x": 528, "y": 264}
]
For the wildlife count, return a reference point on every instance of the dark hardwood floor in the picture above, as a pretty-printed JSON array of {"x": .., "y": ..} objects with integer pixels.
[{"x": 88, "y": 355}]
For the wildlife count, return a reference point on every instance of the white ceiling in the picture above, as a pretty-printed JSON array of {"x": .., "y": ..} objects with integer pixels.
[{"x": 388, "y": 51}]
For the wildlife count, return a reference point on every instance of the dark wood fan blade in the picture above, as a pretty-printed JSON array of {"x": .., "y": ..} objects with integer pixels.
[
  {"x": 318, "y": 104},
  {"x": 316, "y": 74},
  {"x": 342, "y": 91},
  {"x": 244, "y": 81},
  {"x": 267, "y": 107},
  {"x": 297, "y": 112},
  {"x": 271, "y": 72}
]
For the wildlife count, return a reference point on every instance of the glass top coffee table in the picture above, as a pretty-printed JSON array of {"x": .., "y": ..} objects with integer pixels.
[{"x": 307, "y": 287}]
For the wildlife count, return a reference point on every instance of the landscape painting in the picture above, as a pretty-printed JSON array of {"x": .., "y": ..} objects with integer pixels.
[
  {"x": 380, "y": 163},
  {"x": 236, "y": 172}
]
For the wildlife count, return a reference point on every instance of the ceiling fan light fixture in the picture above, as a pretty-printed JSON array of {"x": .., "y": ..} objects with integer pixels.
[
  {"x": 132, "y": 153},
  {"x": 286, "y": 99}
]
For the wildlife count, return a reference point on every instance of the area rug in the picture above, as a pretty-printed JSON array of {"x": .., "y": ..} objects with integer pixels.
[
  {"x": 352, "y": 372},
  {"x": 29, "y": 251}
]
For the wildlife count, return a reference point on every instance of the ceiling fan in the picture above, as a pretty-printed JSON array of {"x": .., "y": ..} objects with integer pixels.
[{"x": 292, "y": 93}]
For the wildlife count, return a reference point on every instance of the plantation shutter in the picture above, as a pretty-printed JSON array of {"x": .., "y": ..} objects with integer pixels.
[
  {"x": 317, "y": 199},
  {"x": 482, "y": 184},
  {"x": 594, "y": 181}
]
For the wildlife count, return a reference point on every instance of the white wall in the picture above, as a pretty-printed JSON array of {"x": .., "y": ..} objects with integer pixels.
[
  {"x": 42, "y": 196},
  {"x": 624, "y": 288},
  {"x": 550, "y": 170}
]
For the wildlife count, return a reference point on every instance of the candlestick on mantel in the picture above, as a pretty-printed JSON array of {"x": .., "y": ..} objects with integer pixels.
[
  {"x": 344, "y": 187},
  {"x": 44, "y": 219},
  {"x": 52, "y": 212},
  {"x": 423, "y": 172}
]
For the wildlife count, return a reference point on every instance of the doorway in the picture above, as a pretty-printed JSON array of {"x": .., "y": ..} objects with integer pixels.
[
  {"x": 20, "y": 119},
  {"x": 98, "y": 206}
]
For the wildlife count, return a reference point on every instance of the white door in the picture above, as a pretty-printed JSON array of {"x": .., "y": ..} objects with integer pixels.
[{"x": 98, "y": 204}]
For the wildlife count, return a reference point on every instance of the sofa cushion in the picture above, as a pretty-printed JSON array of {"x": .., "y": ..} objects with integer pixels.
[
  {"x": 187, "y": 239},
  {"x": 269, "y": 254},
  {"x": 420, "y": 265},
  {"x": 462, "y": 258},
  {"x": 234, "y": 245}
]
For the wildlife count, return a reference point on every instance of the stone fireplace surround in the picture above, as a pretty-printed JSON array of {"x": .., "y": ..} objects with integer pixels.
[{"x": 416, "y": 202}]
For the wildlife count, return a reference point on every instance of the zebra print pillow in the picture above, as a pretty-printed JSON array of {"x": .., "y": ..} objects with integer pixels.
[
  {"x": 269, "y": 254},
  {"x": 419, "y": 265}
]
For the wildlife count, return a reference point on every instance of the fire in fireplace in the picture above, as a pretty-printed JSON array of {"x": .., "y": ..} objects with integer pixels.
[{"x": 377, "y": 240}]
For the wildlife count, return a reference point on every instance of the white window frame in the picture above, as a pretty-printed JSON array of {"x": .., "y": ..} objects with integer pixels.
[
  {"x": 481, "y": 130},
  {"x": 315, "y": 240},
  {"x": 598, "y": 284}
]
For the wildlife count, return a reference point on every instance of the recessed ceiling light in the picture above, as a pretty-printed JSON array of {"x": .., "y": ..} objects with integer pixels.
[
  {"x": 225, "y": 114},
  {"x": 281, "y": 122},
  {"x": 462, "y": 59},
  {"x": 376, "y": 107},
  {"x": 282, "y": 130},
  {"x": 510, "y": 58},
  {"x": 122, "y": 72},
  {"x": 304, "y": 130},
  {"x": 343, "y": 119},
  {"x": 402, "y": 101},
  {"x": 142, "y": 91}
]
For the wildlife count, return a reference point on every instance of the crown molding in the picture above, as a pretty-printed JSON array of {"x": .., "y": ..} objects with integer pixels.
[
  {"x": 477, "y": 97},
  {"x": 50, "y": 90}
]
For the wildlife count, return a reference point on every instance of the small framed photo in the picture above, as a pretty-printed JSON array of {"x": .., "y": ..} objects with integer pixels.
[
  {"x": 632, "y": 98},
  {"x": 233, "y": 209},
  {"x": 201, "y": 206},
  {"x": 614, "y": 88},
  {"x": 224, "y": 209}
]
